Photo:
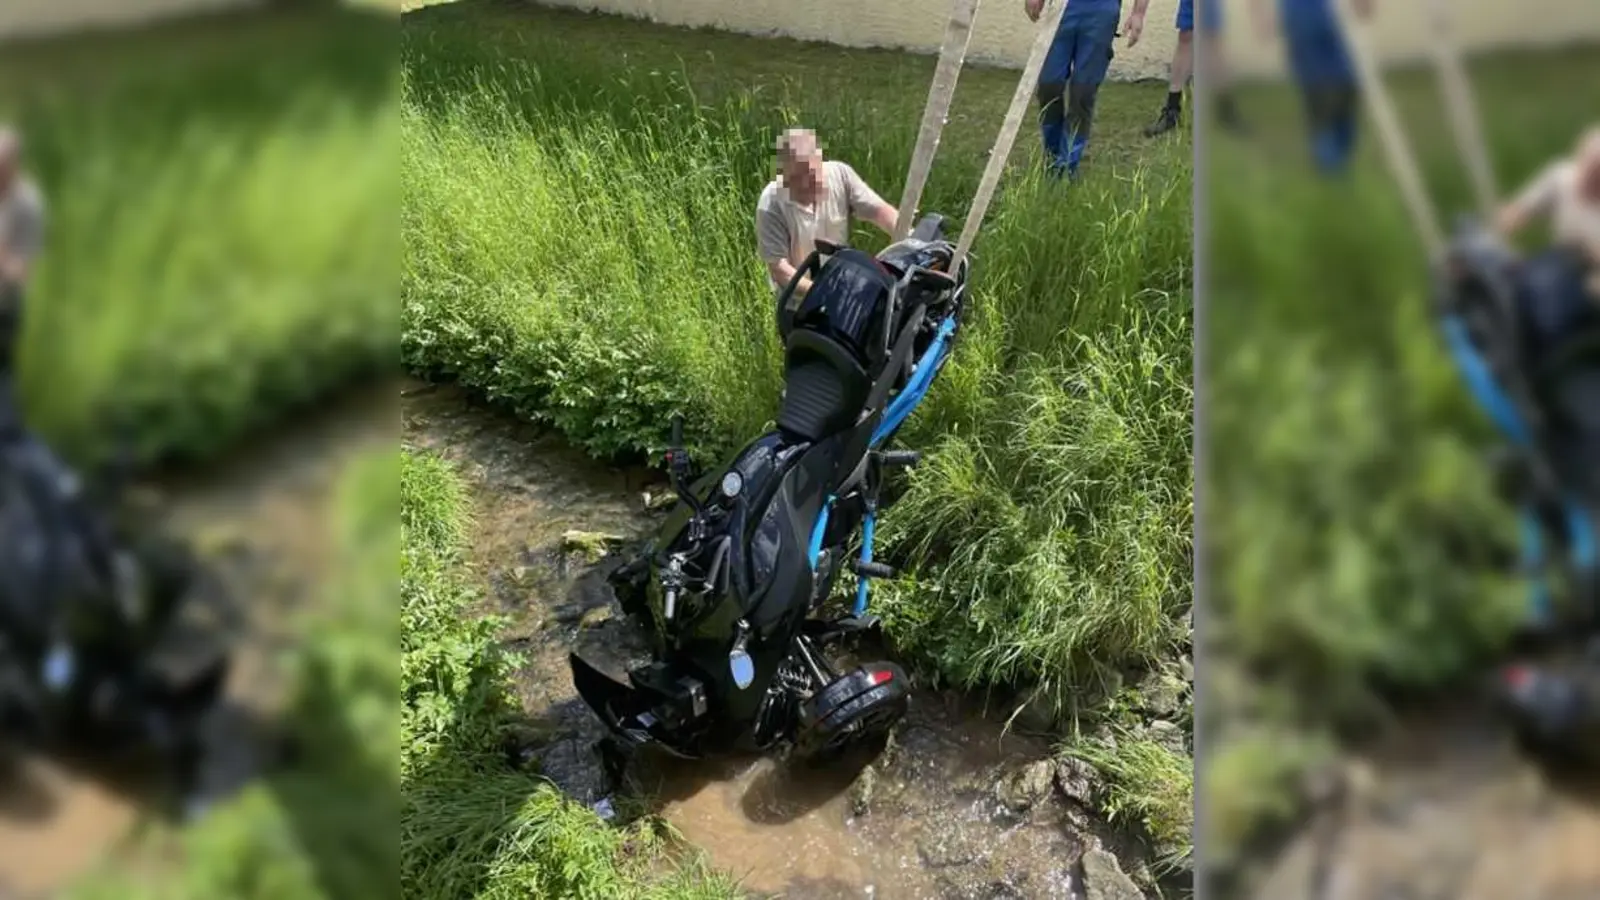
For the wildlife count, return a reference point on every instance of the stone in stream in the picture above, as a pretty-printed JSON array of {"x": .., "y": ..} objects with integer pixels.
[
  {"x": 590, "y": 546},
  {"x": 1161, "y": 692},
  {"x": 1169, "y": 736},
  {"x": 658, "y": 500},
  {"x": 861, "y": 791},
  {"x": 1078, "y": 780},
  {"x": 1103, "y": 878},
  {"x": 1027, "y": 787},
  {"x": 595, "y": 617}
]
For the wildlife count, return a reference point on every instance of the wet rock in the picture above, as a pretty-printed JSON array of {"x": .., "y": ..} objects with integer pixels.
[
  {"x": 1078, "y": 780},
  {"x": 1024, "y": 789},
  {"x": 574, "y": 767},
  {"x": 658, "y": 500},
  {"x": 1186, "y": 668},
  {"x": 1161, "y": 692},
  {"x": 1169, "y": 736},
  {"x": 861, "y": 791},
  {"x": 1103, "y": 878},
  {"x": 590, "y": 546},
  {"x": 595, "y": 617}
]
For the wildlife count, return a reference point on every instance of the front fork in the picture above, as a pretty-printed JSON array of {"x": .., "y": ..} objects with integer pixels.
[
  {"x": 865, "y": 568},
  {"x": 869, "y": 528}
]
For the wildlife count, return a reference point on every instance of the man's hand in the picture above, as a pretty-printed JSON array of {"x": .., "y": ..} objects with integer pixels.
[
  {"x": 1134, "y": 26},
  {"x": 13, "y": 270},
  {"x": 1261, "y": 16},
  {"x": 1034, "y": 9},
  {"x": 886, "y": 217}
]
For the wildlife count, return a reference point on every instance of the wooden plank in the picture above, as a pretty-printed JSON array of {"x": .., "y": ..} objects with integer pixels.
[
  {"x": 1001, "y": 151},
  {"x": 1463, "y": 109},
  {"x": 1391, "y": 135},
  {"x": 957, "y": 35}
]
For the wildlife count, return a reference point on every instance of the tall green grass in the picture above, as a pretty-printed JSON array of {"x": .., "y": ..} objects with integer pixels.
[
  {"x": 1350, "y": 519},
  {"x": 579, "y": 244},
  {"x": 472, "y": 825},
  {"x": 222, "y": 240}
]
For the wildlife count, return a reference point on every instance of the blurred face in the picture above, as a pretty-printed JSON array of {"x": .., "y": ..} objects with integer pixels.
[{"x": 802, "y": 171}]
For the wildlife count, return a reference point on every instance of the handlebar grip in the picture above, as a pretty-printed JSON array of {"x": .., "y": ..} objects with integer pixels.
[
  {"x": 907, "y": 458},
  {"x": 874, "y": 570}
]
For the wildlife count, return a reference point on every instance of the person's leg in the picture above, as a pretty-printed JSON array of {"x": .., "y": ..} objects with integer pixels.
[
  {"x": 1182, "y": 71},
  {"x": 1217, "y": 79},
  {"x": 1090, "y": 64},
  {"x": 1051, "y": 93},
  {"x": 1345, "y": 114},
  {"x": 1323, "y": 69}
]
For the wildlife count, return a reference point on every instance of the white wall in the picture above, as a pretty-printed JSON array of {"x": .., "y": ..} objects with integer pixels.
[
  {"x": 1002, "y": 34},
  {"x": 27, "y": 18}
]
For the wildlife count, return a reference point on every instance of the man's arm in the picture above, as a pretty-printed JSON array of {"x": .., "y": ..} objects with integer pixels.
[
  {"x": 782, "y": 270},
  {"x": 866, "y": 204},
  {"x": 13, "y": 268},
  {"x": 772, "y": 243},
  {"x": 1135, "y": 24},
  {"x": 25, "y": 242},
  {"x": 1261, "y": 16},
  {"x": 1532, "y": 200}
]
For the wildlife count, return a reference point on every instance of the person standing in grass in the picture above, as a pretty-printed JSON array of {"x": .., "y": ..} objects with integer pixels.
[
  {"x": 21, "y": 238},
  {"x": 1183, "y": 67},
  {"x": 812, "y": 198},
  {"x": 1076, "y": 66},
  {"x": 1320, "y": 62}
]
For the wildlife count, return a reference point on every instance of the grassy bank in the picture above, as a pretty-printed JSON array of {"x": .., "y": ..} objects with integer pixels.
[
  {"x": 221, "y": 236},
  {"x": 579, "y": 245},
  {"x": 472, "y": 825},
  {"x": 1349, "y": 516}
]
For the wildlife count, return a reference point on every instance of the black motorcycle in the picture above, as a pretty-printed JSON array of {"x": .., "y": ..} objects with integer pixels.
[
  {"x": 734, "y": 584},
  {"x": 109, "y": 646},
  {"x": 1527, "y": 343}
]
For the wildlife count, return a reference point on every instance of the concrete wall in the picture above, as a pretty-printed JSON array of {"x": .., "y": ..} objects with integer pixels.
[
  {"x": 1002, "y": 34},
  {"x": 27, "y": 18}
]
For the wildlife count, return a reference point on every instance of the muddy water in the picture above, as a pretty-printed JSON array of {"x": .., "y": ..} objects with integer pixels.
[
  {"x": 1446, "y": 808},
  {"x": 260, "y": 519},
  {"x": 921, "y": 822}
]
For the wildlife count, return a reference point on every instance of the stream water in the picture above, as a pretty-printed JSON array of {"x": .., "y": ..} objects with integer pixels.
[
  {"x": 261, "y": 520},
  {"x": 1445, "y": 807},
  {"x": 924, "y": 821}
]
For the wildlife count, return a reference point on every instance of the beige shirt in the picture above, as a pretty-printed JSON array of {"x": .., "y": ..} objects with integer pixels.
[
  {"x": 787, "y": 230},
  {"x": 1574, "y": 219},
  {"x": 22, "y": 220}
]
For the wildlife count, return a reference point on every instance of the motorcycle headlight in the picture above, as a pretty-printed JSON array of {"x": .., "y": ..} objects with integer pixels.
[{"x": 732, "y": 484}]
